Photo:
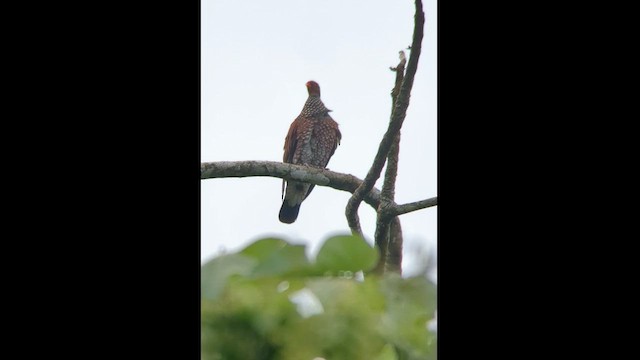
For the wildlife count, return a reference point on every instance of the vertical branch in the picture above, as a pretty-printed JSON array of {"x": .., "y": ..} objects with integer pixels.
[
  {"x": 397, "y": 118},
  {"x": 389, "y": 185},
  {"x": 394, "y": 253},
  {"x": 389, "y": 238},
  {"x": 382, "y": 237}
]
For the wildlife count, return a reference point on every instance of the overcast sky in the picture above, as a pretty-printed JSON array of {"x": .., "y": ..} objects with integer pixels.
[{"x": 256, "y": 58}]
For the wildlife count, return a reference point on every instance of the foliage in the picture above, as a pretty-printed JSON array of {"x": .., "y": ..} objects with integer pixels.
[{"x": 269, "y": 301}]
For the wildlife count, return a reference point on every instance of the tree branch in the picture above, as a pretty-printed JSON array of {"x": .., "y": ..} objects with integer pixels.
[
  {"x": 394, "y": 256},
  {"x": 321, "y": 177},
  {"x": 397, "y": 118},
  {"x": 389, "y": 184},
  {"x": 417, "y": 205},
  {"x": 383, "y": 229}
]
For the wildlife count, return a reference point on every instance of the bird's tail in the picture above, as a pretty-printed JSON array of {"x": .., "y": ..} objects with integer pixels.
[{"x": 288, "y": 214}]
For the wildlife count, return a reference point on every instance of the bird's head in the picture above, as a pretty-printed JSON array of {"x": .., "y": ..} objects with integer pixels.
[{"x": 313, "y": 88}]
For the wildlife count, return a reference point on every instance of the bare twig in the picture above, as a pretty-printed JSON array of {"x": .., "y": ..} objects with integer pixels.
[
  {"x": 397, "y": 118},
  {"x": 417, "y": 205}
]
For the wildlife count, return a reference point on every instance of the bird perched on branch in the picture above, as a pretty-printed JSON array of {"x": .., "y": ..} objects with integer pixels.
[{"x": 312, "y": 139}]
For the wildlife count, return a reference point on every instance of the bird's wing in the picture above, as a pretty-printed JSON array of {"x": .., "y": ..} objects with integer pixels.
[
  {"x": 334, "y": 135},
  {"x": 290, "y": 143},
  {"x": 337, "y": 140}
]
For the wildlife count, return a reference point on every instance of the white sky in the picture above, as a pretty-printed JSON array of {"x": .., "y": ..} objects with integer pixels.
[{"x": 257, "y": 57}]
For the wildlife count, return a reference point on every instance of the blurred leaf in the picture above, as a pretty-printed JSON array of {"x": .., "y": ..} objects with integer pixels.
[
  {"x": 228, "y": 331},
  {"x": 345, "y": 330},
  {"x": 251, "y": 308},
  {"x": 418, "y": 292},
  {"x": 289, "y": 259},
  {"x": 411, "y": 304},
  {"x": 387, "y": 353},
  {"x": 241, "y": 322},
  {"x": 261, "y": 249},
  {"x": 346, "y": 253},
  {"x": 338, "y": 295},
  {"x": 215, "y": 273}
]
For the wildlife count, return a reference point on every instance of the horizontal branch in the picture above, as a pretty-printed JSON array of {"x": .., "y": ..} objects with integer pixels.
[
  {"x": 417, "y": 205},
  {"x": 321, "y": 177}
]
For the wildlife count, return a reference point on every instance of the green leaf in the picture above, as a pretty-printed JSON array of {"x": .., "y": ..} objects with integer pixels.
[
  {"x": 348, "y": 295},
  {"x": 345, "y": 329},
  {"x": 249, "y": 308},
  {"x": 416, "y": 292},
  {"x": 410, "y": 304},
  {"x": 289, "y": 259},
  {"x": 387, "y": 353},
  {"x": 263, "y": 248},
  {"x": 346, "y": 253},
  {"x": 215, "y": 273}
]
